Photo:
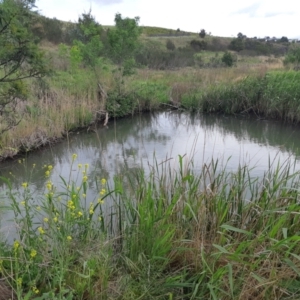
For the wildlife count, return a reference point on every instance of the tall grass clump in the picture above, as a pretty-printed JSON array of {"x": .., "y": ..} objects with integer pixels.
[
  {"x": 275, "y": 95},
  {"x": 171, "y": 233},
  {"x": 214, "y": 235}
]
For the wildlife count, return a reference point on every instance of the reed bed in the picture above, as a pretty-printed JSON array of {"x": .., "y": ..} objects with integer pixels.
[
  {"x": 171, "y": 234},
  {"x": 275, "y": 95}
]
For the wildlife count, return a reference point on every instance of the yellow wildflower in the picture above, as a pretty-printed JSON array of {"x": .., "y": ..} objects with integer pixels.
[
  {"x": 100, "y": 201},
  {"x": 47, "y": 173},
  {"x": 33, "y": 253},
  {"x": 49, "y": 185},
  {"x": 86, "y": 166},
  {"x": 74, "y": 156},
  {"x": 35, "y": 290},
  {"x": 33, "y": 165},
  {"x": 79, "y": 166},
  {"x": 38, "y": 208},
  {"x": 23, "y": 203},
  {"x": 70, "y": 204},
  {"x": 102, "y": 192},
  {"x": 80, "y": 214},
  {"x": 85, "y": 178},
  {"x": 19, "y": 281},
  {"x": 24, "y": 185},
  {"x": 16, "y": 245},
  {"x": 103, "y": 181},
  {"x": 41, "y": 230},
  {"x": 50, "y": 167},
  {"x": 99, "y": 219},
  {"x": 55, "y": 219},
  {"x": 84, "y": 195},
  {"x": 69, "y": 238},
  {"x": 46, "y": 220}
]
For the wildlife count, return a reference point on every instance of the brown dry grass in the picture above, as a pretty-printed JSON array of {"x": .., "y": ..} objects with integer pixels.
[{"x": 6, "y": 292}]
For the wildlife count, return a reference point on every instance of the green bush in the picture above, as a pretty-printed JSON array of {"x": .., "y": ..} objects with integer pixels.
[
  {"x": 120, "y": 104},
  {"x": 228, "y": 59},
  {"x": 293, "y": 56},
  {"x": 170, "y": 45}
]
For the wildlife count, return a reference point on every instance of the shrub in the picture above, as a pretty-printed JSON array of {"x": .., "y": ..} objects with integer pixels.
[
  {"x": 198, "y": 45},
  {"x": 228, "y": 59},
  {"x": 170, "y": 45}
]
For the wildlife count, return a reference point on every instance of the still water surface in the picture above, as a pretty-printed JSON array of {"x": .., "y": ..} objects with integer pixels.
[{"x": 131, "y": 143}]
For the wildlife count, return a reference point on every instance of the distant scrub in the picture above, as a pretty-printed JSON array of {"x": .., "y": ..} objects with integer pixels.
[
  {"x": 49, "y": 29},
  {"x": 158, "y": 31},
  {"x": 155, "y": 58},
  {"x": 247, "y": 46}
]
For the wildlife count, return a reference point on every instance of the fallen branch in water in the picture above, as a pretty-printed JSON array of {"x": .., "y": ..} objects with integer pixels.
[{"x": 106, "y": 119}]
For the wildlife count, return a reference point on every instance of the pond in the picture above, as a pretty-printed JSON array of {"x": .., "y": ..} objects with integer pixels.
[{"x": 136, "y": 142}]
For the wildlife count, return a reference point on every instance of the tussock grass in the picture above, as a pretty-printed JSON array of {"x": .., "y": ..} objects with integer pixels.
[{"x": 172, "y": 234}]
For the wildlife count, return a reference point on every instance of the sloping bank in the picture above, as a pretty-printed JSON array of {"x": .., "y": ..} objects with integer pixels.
[{"x": 69, "y": 102}]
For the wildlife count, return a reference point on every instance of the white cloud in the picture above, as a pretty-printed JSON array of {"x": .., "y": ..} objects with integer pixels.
[
  {"x": 222, "y": 18},
  {"x": 107, "y": 2}
]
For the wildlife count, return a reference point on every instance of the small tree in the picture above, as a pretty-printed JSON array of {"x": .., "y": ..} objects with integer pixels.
[
  {"x": 202, "y": 33},
  {"x": 241, "y": 36},
  {"x": 284, "y": 39},
  {"x": 123, "y": 41}
]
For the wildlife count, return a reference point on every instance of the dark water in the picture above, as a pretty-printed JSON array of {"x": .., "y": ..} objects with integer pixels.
[{"x": 132, "y": 143}]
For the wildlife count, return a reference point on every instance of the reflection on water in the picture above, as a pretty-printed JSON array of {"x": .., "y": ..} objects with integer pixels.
[{"x": 131, "y": 143}]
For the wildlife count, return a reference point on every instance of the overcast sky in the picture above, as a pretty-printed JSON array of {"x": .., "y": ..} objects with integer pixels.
[{"x": 220, "y": 17}]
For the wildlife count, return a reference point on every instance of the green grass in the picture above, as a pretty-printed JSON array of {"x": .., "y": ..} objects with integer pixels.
[
  {"x": 275, "y": 95},
  {"x": 173, "y": 234},
  {"x": 150, "y": 30}
]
